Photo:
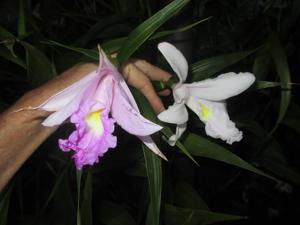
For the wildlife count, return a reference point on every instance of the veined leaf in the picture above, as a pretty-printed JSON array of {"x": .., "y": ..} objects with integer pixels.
[
  {"x": 202, "y": 147},
  {"x": 39, "y": 68},
  {"x": 177, "y": 216},
  {"x": 141, "y": 33},
  {"x": 154, "y": 174},
  {"x": 283, "y": 72},
  {"x": 208, "y": 67}
]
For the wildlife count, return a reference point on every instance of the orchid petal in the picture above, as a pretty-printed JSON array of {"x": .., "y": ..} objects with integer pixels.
[
  {"x": 130, "y": 119},
  {"x": 147, "y": 140},
  {"x": 215, "y": 117},
  {"x": 222, "y": 87},
  {"x": 176, "y": 114},
  {"x": 179, "y": 131},
  {"x": 61, "y": 115},
  {"x": 64, "y": 97},
  {"x": 176, "y": 60}
]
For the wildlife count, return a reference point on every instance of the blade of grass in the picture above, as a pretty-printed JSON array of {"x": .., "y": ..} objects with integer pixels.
[{"x": 141, "y": 33}]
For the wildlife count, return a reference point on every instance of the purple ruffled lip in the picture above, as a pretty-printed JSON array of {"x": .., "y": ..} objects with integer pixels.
[{"x": 87, "y": 144}]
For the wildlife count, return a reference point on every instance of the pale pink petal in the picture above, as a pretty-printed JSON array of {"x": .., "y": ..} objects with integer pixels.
[
  {"x": 64, "y": 97},
  {"x": 56, "y": 118},
  {"x": 130, "y": 119},
  {"x": 147, "y": 140},
  {"x": 176, "y": 60},
  {"x": 222, "y": 87}
]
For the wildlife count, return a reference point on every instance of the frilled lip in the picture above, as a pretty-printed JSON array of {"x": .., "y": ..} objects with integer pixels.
[{"x": 105, "y": 85}]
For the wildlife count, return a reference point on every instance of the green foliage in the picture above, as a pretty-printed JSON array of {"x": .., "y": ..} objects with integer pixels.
[{"x": 204, "y": 180}]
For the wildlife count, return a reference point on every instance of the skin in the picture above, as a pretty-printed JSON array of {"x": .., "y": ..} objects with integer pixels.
[{"x": 21, "y": 131}]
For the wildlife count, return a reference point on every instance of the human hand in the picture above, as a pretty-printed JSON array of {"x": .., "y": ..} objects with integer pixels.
[{"x": 139, "y": 74}]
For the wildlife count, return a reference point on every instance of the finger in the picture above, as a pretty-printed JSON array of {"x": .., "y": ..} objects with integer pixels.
[
  {"x": 153, "y": 72},
  {"x": 165, "y": 92},
  {"x": 139, "y": 80}
]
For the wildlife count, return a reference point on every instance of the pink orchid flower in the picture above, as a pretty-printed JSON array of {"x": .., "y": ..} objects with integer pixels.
[{"x": 94, "y": 104}]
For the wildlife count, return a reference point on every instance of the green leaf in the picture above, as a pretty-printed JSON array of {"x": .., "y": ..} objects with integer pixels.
[
  {"x": 154, "y": 174},
  {"x": 4, "y": 205},
  {"x": 149, "y": 113},
  {"x": 177, "y": 216},
  {"x": 78, "y": 182},
  {"x": 186, "y": 196},
  {"x": 202, "y": 147},
  {"x": 86, "y": 206},
  {"x": 182, "y": 29},
  {"x": 114, "y": 214},
  {"x": 208, "y": 67},
  {"x": 91, "y": 53},
  {"x": 7, "y": 54},
  {"x": 56, "y": 186},
  {"x": 8, "y": 40},
  {"x": 141, "y": 33},
  {"x": 22, "y": 19},
  {"x": 260, "y": 84},
  {"x": 262, "y": 62},
  {"x": 282, "y": 170},
  {"x": 97, "y": 29},
  {"x": 39, "y": 68},
  {"x": 114, "y": 45},
  {"x": 168, "y": 133},
  {"x": 283, "y": 72}
]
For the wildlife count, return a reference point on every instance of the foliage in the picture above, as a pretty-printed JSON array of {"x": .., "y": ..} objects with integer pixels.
[{"x": 198, "y": 184}]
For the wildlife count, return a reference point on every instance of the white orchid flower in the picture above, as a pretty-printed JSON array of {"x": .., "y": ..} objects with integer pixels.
[{"x": 206, "y": 98}]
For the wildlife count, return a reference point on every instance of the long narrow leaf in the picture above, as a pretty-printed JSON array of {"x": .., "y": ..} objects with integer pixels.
[
  {"x": 208, "y": 67},
  {"x": 154, "y": 174},
  {"x": 141, "y": 33},
  {"x": 283, "y": 72},
  {"x": 200, "y": 146},
  {"x": 178, "y": 216},
  {"x": 39, "y": 68}
]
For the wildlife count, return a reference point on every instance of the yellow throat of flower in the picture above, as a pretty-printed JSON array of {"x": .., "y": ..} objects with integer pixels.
[
  {"x": 206, "y": 113},
  {"x": 94, "y": 122}
]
